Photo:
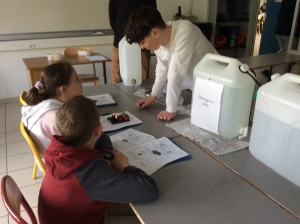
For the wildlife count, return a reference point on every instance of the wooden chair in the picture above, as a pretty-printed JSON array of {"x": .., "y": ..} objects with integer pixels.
[
  {"x": 37, "y": 158},
  {"x": 22, "y": 98},
  {"x": 13, "y": 198},
  {"x": 70, "y": 52}
]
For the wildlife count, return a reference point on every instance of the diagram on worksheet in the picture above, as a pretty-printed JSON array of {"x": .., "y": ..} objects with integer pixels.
[
  {"x": 103, "y": 100},
  {"x": 130, "y": 139},
  {"x": 146, "y": 154}
]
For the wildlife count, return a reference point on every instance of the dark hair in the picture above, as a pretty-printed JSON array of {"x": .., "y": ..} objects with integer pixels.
[
  {"x": 77, "y": 119},
  {"x": 53, "y": 76},
  {"x": 141, "y": 22}
]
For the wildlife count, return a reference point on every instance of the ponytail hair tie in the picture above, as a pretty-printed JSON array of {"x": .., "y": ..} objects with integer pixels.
[{"x": 39, "y": 85}]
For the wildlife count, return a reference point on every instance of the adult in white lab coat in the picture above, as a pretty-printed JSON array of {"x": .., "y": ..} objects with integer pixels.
[{"x": 178, "y": 45}]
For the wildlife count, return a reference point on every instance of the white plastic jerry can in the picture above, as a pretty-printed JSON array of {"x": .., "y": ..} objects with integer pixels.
[
  {"x": 275, "y": 135},
  {"x": 130, "y": 63},
  {"x": 236, "y": 96}
]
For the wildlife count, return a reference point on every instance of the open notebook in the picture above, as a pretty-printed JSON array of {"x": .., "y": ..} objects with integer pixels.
[{"x": 146, "y": 152}]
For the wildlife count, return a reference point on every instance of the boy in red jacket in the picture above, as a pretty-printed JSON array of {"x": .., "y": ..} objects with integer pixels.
[{"x": 79, "y": 183}]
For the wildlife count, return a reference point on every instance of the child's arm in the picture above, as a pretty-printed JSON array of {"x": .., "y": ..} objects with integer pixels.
[
  {"x": 102, "y": 182},
  {"x": 104, "y": 144}
]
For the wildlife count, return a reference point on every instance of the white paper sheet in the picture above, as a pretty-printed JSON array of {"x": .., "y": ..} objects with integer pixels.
[
  {"x": 149, "y": 156},
  {"x": 103, "y": 100},
  {"x": 206, "y": 104},
  {"x": 96, "y": 58},
  {"x": 107, "y": 126}
]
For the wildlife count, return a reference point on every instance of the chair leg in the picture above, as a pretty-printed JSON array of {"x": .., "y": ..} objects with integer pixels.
[{"x": 34, "y": 171}]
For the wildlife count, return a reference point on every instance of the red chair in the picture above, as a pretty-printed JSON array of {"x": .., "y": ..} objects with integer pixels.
[{"x": 13, "y": 198}]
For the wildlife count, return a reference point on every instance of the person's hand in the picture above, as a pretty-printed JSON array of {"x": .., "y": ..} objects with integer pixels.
[
  {"x": 119, "y": 162},
  {"x": 145, "y": 102},
  {"x": 166, "y": 116}
]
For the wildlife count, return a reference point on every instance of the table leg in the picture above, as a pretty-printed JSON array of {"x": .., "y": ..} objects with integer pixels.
[
  {"x": 104, "y": 72},
  {"x": 270, "y": 73}
]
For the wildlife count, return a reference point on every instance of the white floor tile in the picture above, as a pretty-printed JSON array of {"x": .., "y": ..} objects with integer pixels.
[
  {"x": 14, "y": 136},
  {"x": 13, "y": 104},
  {"x": 14, "y": 109},
  {"x": 4, "y": 220},
  {"x": 2, "y": 118},
  {"x": 13, "y": 117},
  {"x": 2, "y": 138},
  {"x": 13, "y": 125},
  {"x": 2, "y": 110},
  {"x": 2, "y": 127},
  {"x": 12, "y": 99},
  {"x": 31, "y": 194},
  {"x": 16, "y": 148},
  {"x": 3, "y": 166},
  {"x": 23, "y": 177},
  {"x": 20, "y": 161},
  {"x": 2, "y": 151}
]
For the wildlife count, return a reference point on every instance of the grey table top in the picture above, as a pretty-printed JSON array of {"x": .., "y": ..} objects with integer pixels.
[
  {"x": 151, "y": 125},
  {"x": 267, "y": 180},
  {"x": 268, "y": 60},
  {"x": 222, "y": 195},
  {"x": 202, "y": 190},
  {"x": 156, "y": 107}
]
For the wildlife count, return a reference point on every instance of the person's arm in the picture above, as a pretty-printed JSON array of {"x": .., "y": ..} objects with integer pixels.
[
  {"x": 180, "y": 60},
  {"x": 160, "y": 80},
  {"x": 112, "y": 15},
  {"x": 102, "y": 182},
  {"x": 104, "y": 144},
  {"x": 161, "y": 72}
]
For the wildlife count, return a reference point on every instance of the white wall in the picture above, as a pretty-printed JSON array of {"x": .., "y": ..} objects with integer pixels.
[{"x": 13, "y": 75}]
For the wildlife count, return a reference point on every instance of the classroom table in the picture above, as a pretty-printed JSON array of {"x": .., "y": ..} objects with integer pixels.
[
  {"x": 36, "y": 65},
  {"x": 233, "y": 188},
  {"x": 125, "y": 103},
  {"x": 269, "y": 60},
  {"x": 202, "y": 190},
  {"x": 242, "y": 162},
  {"x": 156, "y": 107}
]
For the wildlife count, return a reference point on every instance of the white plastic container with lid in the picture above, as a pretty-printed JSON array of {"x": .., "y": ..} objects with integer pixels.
[
  {"x": 236, "y": 96},
  {"x": 275, "y": 135},
  {"x": 130, "y": 63}
]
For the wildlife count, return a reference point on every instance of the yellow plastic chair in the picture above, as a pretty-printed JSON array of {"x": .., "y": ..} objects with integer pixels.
[
  {"x": 37, "y": 158},
  {"x": 70, "y": 52},
  {"x": 22, "y": 98}
]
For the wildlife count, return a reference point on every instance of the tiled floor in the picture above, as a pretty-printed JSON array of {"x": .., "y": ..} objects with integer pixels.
[{"x": 16, "y": 158}]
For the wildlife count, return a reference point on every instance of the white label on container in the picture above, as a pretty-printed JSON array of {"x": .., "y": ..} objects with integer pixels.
[{"x": 206, "y": 104}]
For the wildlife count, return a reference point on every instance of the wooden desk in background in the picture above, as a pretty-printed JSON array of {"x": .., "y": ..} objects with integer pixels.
[{"x": 36, "y": 65}]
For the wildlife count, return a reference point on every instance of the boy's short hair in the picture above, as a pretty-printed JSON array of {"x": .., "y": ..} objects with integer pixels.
[
  {"x": 77, "y": 119},
  {"x": 141, "y": 21}
]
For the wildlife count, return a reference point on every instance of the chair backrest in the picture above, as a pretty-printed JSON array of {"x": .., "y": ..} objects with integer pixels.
[
  {"x": 36, "y": 154},
  {"x": 13, "y": 198},
  {"x": 22, "y": 98},
  {"x": 72, "y": 51}
]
